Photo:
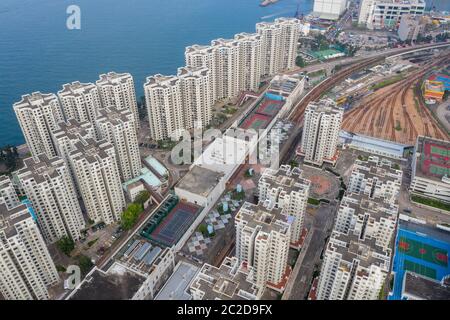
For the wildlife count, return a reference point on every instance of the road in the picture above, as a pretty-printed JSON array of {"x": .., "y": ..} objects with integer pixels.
[{"x": 302, "y": 275}]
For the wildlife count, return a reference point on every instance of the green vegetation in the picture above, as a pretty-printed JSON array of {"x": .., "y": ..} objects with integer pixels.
[
  {"x": 84, "y": 263},
  {"x": 340, "y": 195},
  {"x": 130, "y": 215},
  {"x": 247, "y": 174},
  {"x": 300, "y": 62},
  {"x": 387, "y": 82},
  {"x": 60, "y": 268},
  {"x": 431, "y": 202},
  {"x": 313, "y": 201},
  {"x": 363, "y": 158},
  {"x": 238, "y": 195},
  {"x": 293, "y": 163},
  {"x": 142, "y": 197},
  {"x": 203, "y": 228},
  {"x": 8, "y": 158},
  {"x": 332, "y": 171},
  {"x": 317, "y": 73},
  {"x": 396, "y": 166},
  {"x": 66, "y": 245},
  {"x": 92, "y": 242},
  {"x": 229, "y": 110},
  {"x": 220, "y": 209},
  {"x": 381, "y": 293},
  {"x": 398, "y": 127},
  {"x": 167, "y": 144},
  {"x": 320, "y": 44}
]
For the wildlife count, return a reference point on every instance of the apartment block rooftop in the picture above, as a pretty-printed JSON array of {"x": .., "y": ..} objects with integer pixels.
[
  {"x": 286, "y": 177},
  {"x": 9, "y": 217},
  {"x": 380, "y": 168},
  {"x": 74, "y": 130},
  {"x": 113, "y": 78},
  {"x": 91, "y": 150},
  {"x": 114, "y": 116},
  {"x": 228, "y": 282},
  {"x": 41, "y": 168},
  {"x": 76, "y": 89},
  {"x": 351, "y": 247},
  {"x": 35, "y": 100},
  {"x": 177, "y": 287},
  {"x": 326, "y": 106},
  {"x": 267, "y": 219}
]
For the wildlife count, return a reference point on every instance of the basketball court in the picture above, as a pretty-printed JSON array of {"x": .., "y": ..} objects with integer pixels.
[
  {"x": 256, "y": 121},
  {"x": 421, "y": 252},
  {"x": 269, "y": 107},
  {"x": 435, "y": 160}
]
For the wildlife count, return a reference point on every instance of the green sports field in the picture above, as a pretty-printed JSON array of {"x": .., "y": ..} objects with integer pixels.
[
  {"x": 419, "y": 269},
  {"x": 423, "y": 251}
]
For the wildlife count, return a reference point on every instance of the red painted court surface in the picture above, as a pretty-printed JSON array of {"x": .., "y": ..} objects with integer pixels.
[
  {"x": 435, "y": 159},
  {"x": 175, "y": 224},
  {"x": 256, "y": 121}
]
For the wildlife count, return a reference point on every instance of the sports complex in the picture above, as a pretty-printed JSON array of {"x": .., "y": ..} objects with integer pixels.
[
  {"x": 263, "y": 113},
  {"x": 434, "y": 158},
  {"x": 170, "y": 221},
  {"x": 422, "y": 250}
]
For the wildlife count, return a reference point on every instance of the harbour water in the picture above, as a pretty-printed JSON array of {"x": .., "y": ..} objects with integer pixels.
[{"x": 143, "y": 37}]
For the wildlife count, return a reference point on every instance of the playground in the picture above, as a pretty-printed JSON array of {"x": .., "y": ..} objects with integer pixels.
[
  {"x": 263, "y": 113},
  {"x": 421, "y": 252},
  {"x": 256, "y": 121}
]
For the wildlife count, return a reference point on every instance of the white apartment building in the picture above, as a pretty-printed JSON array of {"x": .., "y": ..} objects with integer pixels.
[
  {"x": 377, "y": 178},
  {"x": 228, "y": 282},
  {"x": 321, "y": 132},
  {"x": 250, "y": 61},
  {"x": 98, "y": 178},
  {"x": 352, "y": 268},
  {"x": 65, "y": 138},
  {"x": 228, "y": 67},
  {"x": 8, "y": 194},
  {"x": 286, "y": 189},
  {"x": 26, "y": 265},
  {"x": 262, "y": 244},
  {"x": 80, "y": 101},
  {"x": 430, "y": 170},
  {"x": 329, "y": 9},
  {"x": 163, "y": 96},
  {"x": 118, "y": 127},
  {"x": 117, "y": 90},
  {"x": 371, "y": 216},
  {"x": 380, "y": 14},
  {"x": 279, "y": 44},
  {"x": 197, "y": 96},
  {"x": 197, "y": 56},
  {"x": 38, "y": 116},
  {"x": 49, "y": 187}
]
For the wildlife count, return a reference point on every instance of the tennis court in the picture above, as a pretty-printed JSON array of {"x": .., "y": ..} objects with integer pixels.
[
  {"x": 269, "y": 107},
  {"x": 256, "y": 121},
  {"x": 420, "y": 249},
  {"x": 435, "y": 159},
  {"x": 170, "y": 230}
]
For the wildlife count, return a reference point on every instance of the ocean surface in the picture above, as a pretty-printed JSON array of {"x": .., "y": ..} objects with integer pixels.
[{"x": 143, "y": 37}]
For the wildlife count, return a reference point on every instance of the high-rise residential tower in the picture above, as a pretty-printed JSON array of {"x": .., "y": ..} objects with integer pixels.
[
  {"x": 27, "y": 269},
  {"x": 97, "y": 174},
  {"x": 118, "y": 127},
  {"x": 8, "y": 194},
  {"x": 117, "y": 90},
  {"x": 49, "y": 187},
  {"x": 321, "y": 132},
  {"x": 80, "y": 101},
  {"x": 38, "y": 115}
]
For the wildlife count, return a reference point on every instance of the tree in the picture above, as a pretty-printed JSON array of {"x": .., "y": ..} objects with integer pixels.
[
  {"x": 84, "y": 263},
  {"x": 130, "y": 215},
  {"x": 66, "y": 245},
  {"x": 142, "y": 197},
  {"x": 203, "y": 229},
  {"x": 300, "y": 62}
]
